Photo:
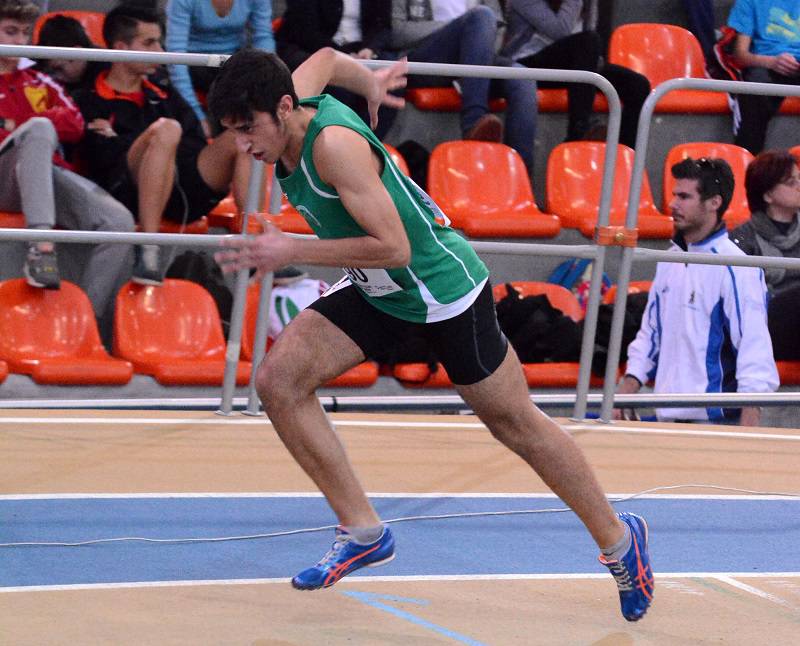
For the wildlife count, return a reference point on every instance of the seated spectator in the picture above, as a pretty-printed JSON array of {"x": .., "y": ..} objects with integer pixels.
[
  {"x": 360, "y": 28},
  {"x": 772, "y": 181},
  {"x": 704, "y": 329},
  {"x": 437, "y": 31},
  {"x": 37, "y": 118},
  {"x": 63, "y": 31},
  {"x": 145, "y": 145},
  {"x": 560, "y": 34},
  {"x": 213, "y": 27},
  {"x": 767, "y": 47}
]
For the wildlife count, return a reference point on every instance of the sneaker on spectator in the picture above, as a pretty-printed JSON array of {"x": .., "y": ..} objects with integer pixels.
[
  {"x": 633, "y": 573},
  {"x": 487, "y": 128},
  {"x": 147, "y": 268},
  {"x": 41, "y": 268},
  {"x": 344, "y": 557}
]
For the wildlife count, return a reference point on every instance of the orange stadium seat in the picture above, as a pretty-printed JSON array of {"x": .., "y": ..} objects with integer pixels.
[
  {"x": 3, "y": 371},
  {"x": 447, "y": 99},
  {"x": 9, "y": 220},
  {"x": 52, "y": 336},
  {"x": 397, "y": 158},
  {"x": 173, "y": 333},
  {"x": 538, "y": 375},
  {"x": 485, "y": 190},
  {"x": 789, "y": 372},
  {"x": 92, "y": 22},
  {"x": 662, "y": 52},
  {"x": 574, "y": 180},
  {"x": 738, "y": 212},
  {"x": 363, "y": 375},
  {"x": 634, "y": 287}
]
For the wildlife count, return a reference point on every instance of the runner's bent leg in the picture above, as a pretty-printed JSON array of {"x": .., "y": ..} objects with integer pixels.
[
  {"x": 309, "y": 352},
  {"x": 502, "y": 402}
]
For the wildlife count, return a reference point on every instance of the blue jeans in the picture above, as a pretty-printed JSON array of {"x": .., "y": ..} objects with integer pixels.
[{"x": 469, "y": 40}]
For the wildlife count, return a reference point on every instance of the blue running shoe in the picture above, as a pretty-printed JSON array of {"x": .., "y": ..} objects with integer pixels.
[
  {"x": 632, "y": 572},
  {"x": 344, "y": 557}
]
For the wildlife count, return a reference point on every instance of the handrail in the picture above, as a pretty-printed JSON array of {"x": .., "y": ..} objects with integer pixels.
[{"x": 629, "y": 254}]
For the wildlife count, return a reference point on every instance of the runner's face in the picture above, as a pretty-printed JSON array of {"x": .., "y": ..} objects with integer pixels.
[
  {"x": 263, "y": 136},
  {"x": 13, "y": 32}
]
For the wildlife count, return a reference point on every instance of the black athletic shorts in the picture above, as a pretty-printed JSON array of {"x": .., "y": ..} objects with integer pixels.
[
  {"x": 470, "y": 346},
  {"x": 191, "y": 197}
]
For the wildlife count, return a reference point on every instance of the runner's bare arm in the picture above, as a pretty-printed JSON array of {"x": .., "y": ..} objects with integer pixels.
[{"x": 329, "y": 67}]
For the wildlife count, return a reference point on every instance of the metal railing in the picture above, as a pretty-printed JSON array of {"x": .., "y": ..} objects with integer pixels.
[
  {"x": 594, "y": 252},
  {"x": 631, "y": 254},
  {"x": 597, "y": 253}
]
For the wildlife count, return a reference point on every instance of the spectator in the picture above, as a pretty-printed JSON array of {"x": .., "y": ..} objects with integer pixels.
[
  {"x": 560, "y": 34},
  {"x": 772, "y": 182},
  {"x": 63, "y": 31},
  {"x": 37, "y": 117},
  {"x": 437, "y": 31},
  {"x": 705, "y": 326},
  {"x": 145, "y": 144},
  {"x": 767, "y": 48},
  {"x": 360, "y": 28},
  {"x": 213, "y": 27}
]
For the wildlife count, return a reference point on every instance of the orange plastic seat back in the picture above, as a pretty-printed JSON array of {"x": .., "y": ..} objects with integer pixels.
[
  {"x": 176, "y": 321},
  {"x": 560, "y": 297},
  {"x": 658, "y": 51},
  {"x": 738, "y": 158},
  {"x": 634, "y": 287},
  {"x": 91, "y": 21},
  {"x": 397, "y": 158},
  {"x": 46, "y": 324},
  {"x": 11, "y": 220},
  {"x": 477, "y": 175},
  {"x": 662, "y": 52},
  {"x": 575, "y": 179}
]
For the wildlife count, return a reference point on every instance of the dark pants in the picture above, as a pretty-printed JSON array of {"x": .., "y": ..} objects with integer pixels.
[
  {"x": 700, "y": 16},
  {"x": 758, "y": 110},
  {"x": 784, "y": 322},
  {"x": 469, "y": 40},
  {"x": 582, "y": 51}
]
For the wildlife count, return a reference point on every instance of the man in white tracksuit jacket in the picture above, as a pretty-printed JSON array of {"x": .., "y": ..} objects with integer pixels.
[{"x": 705, "y": 326}]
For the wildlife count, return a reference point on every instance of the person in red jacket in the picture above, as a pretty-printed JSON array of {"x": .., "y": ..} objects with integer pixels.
[
  {"x": 145, "y": 145},
  {"x": 36, "y": 118}
]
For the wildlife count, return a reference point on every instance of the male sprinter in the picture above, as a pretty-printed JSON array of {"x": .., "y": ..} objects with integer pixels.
[{"x": 406, "y": 274}]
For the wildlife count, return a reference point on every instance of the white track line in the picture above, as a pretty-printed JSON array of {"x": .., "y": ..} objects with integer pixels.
[
  {"x": 378, "y": 494},
  {"x": 755, "y": 591},
  {"x": 359, "y": 580},
  {"x": 189, "y": 421}
]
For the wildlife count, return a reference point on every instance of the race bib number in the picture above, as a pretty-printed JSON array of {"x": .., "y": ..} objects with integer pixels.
[{"x": 373, "y": 282}]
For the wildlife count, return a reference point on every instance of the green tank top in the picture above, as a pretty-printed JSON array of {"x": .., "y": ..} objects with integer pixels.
[{"x": 445, "y": 274}]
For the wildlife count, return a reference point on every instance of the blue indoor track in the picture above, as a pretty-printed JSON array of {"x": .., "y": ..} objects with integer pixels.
[{"x": 690, "y": 534}]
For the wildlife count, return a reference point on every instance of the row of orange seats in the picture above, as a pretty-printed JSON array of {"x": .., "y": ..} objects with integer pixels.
[
  {"x": 174, "y": 334},
  {"x": 485, "y": 191},
  {"x": 658, "y": 51}
]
